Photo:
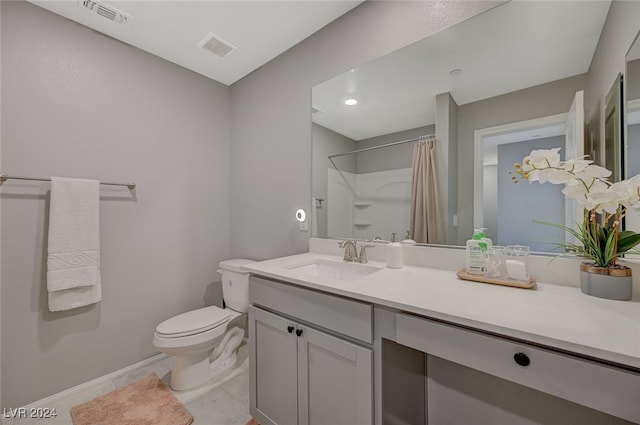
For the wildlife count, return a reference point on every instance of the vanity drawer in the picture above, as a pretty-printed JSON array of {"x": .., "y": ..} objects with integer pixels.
[
  {"x": 341, "y": 315},
  {"x": 598, "y": 386}
]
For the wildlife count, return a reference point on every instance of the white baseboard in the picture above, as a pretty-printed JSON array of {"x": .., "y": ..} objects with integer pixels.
[{"x": 54, "y": 399}]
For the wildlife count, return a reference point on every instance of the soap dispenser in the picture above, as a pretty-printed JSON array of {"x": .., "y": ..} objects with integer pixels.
[
  {"x": 407, "y": 239},
  {"x": 484, "y": 238},
  {"x": 476, "y": 248},
  {"x": 394, "y": 253}
]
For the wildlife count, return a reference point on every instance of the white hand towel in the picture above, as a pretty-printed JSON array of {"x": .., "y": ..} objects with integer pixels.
[
  {"x": 73, "y": 259},
  {"x": 79, "y": 296}
]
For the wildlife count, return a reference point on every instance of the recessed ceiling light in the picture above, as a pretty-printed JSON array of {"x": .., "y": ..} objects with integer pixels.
[
  {"x": 351, "y": 101},
  {"x": 455, "y": 72}
]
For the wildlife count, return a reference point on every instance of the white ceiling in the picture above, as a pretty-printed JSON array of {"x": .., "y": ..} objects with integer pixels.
[
  {"x": 516, "y": 45},
  {"x": 172, "y": 29}
]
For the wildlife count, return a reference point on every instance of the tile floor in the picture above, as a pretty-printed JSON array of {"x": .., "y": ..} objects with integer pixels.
[{"x": 222, "y": 401}]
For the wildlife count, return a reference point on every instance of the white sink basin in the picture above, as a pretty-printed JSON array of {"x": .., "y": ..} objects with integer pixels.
[{"x": 335, "y": 269}]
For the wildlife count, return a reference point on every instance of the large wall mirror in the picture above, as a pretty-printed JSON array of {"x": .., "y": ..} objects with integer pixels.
[
  {"x": 489, "y": 90},
  {"x": 632, "y": 138}
]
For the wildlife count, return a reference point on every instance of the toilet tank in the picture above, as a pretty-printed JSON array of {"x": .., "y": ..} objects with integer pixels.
[{"x": 235, "y": 284}]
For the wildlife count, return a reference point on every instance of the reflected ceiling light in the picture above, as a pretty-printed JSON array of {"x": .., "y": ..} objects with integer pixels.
[
  {"x": 351, "y": 101},
  {"x": 455, "y": 72}
]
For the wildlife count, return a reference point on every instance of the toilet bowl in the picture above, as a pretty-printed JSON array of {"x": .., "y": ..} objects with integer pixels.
[{"x": 191, "y": 337}]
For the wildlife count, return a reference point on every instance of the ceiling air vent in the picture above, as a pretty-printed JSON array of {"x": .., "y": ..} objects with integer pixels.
[
  {"x": 106, "y": 11},
  {"x": 216, "y": 45}
]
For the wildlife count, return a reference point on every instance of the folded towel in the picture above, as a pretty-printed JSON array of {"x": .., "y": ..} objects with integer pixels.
[
  {"x": 79, "y": 296},
  {"x": 73, "y": 258}
]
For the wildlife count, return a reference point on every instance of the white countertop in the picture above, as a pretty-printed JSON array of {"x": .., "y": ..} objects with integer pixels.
[{"x": 552, "y": 315}]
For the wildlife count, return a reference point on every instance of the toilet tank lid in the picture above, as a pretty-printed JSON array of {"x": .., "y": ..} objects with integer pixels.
[
  {"x": 234, "y": 264},
  {"x": 194, "y": 321}
]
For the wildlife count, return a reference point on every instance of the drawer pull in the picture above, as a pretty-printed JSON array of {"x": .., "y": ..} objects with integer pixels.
[
  {"x": 298, "y": 332},
  {"x": 522, "y": 359},
  {"x": 290, "y": 329}
]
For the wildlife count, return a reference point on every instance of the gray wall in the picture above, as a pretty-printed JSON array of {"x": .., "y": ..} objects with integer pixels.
[
  {"x": 325, "y": 143},
  {"x": 535, "y": 102},
  {"x": 620, "y": 29},
  {"x": 633, "y": 150},
  {"x": 447, "y": 162},
  {"x": 632, "y": 79},
  {"x": 524, "y": 202},
  {"x": 270, "y": 115},
  {"x": 76, "y": 103},
  {"x": 393, "y": 157}
]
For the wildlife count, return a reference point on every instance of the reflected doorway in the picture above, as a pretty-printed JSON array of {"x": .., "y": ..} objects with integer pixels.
[{"x": 521, "y": 204}]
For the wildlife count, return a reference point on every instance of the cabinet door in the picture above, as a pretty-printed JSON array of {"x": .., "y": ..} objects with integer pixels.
[
  {"x": 334, "y": 380},
  {"x": 273, "y": 360}
]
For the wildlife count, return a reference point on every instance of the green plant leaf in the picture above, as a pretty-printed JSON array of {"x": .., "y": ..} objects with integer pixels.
[
  {"x": 609, "y": 250},
  {"x": 627, "y": 240},
  {"x": 603, "y": 236}
]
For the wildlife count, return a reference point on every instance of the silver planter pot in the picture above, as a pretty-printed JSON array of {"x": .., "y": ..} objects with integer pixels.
[{"x": 612, "y": 284}]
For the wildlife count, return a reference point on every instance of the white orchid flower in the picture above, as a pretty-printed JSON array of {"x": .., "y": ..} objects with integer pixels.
[
  {"x": 627, "y": 192},
  {"x": 576, "y": 165},
  {"x": 542, "y": 158},
  {"x": 558, "y": 176},
  {"x": 586, "y": 184},
  {"x": 602, "y": 199},
  {"x": 577, "y": 191},
  {"x": 592, "y": 172},
  {"x": 549, "y": 175}
]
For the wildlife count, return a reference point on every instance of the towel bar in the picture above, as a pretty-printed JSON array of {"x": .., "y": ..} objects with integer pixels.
[{"x": 4, "y": 177}]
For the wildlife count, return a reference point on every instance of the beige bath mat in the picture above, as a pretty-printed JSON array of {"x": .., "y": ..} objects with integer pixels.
[{"x": 145, "y": 402}]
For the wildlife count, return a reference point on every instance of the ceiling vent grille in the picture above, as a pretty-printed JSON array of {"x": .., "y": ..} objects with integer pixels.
[
  {"x": 216, "y": 45},
  {"x": 106, "y": 11}
]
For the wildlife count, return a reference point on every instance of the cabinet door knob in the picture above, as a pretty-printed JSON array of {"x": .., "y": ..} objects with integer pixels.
[
  {"x": 298, "y": 332},
  {"x": 522, "y": 359},
  {"x": 290, "y": 329}
]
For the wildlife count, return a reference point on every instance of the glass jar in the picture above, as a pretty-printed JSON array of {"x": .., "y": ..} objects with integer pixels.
[
  {"x": 517, "y": 262},
  {"x": 495, "y": 262}
]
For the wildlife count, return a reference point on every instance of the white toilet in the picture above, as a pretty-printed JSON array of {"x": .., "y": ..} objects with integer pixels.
[{"x": 191, "y": 337}]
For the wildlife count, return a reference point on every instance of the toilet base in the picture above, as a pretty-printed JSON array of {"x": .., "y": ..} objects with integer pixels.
[
  {"x": 218, "y": 369},
  {"x": 190, "y": 371},
  {"x": 199, "y": 367}
]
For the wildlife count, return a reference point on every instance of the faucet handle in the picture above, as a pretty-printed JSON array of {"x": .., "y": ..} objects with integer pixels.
[{"x": 362, "y": 259}]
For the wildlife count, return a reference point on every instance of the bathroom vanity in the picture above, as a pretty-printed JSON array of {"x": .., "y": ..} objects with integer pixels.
[{"x": 361, "y": 344}]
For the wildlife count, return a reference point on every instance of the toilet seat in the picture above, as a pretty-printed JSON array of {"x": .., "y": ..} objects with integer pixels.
[{"x": 193, "y": 322}]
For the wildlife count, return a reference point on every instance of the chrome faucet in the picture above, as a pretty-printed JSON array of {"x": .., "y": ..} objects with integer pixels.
[{"x": 350, "y": 250}]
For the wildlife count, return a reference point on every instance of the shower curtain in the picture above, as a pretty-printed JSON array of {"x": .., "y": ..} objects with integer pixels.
[{"x": 426, "y": 221}]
